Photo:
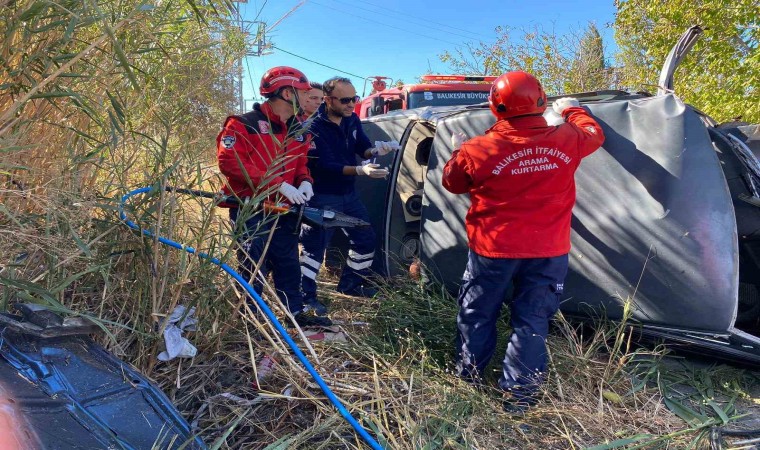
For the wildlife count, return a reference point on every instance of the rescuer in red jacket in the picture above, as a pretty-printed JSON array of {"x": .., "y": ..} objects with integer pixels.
[
  {"x": 262, "y": 154},
  {"x": 520, "y": 177}
]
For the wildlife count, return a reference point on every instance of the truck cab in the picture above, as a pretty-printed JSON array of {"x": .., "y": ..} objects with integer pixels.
[{"x": 435, "y": 90}]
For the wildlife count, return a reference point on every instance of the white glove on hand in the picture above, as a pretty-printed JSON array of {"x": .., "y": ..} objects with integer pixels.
[
  {"x": 563, "y": 103},
  {"x": 372, "y": 171},
  {"x": 306, "y": 190},
  {"x": 457, "y": 139},
  {"x": 293, "y": 195},
  {"x": 382, "y": 148}
]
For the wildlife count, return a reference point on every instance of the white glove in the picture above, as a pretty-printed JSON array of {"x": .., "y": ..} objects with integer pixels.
[
  {"x": 563, "y": 103},
  {"x": 372, "y": 171},
  {"x": 457, "y": 139},
  {"x": 382, "y": 148},
  {"x": 552, "y": 118},
  {"x": 293, "y": 195},
  {"x": 306, "y": 190}
]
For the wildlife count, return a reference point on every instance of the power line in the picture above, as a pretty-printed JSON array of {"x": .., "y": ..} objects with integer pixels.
[
  {"x": 245, "y": 26},
  {"x": 258, "y": 13},
  {"x": 421, "y": 18},
  {"x": 287, "y": 14},
  {"x": 318, "y": 63},
  {"x": 251, "y": 74},
  {"x": 419, "y": 21},
  {"x": 386, "y": 25}
]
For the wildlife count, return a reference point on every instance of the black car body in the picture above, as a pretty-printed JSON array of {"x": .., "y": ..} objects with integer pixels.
[{"x": 61, "y": 390}]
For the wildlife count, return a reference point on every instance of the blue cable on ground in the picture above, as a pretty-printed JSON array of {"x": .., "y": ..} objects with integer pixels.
[{"x": 268, "y": 312}]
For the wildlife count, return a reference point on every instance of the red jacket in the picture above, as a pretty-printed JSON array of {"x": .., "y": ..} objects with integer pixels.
[
  {"x": 260, "y": 147},
  {"x": 520, "y": 177}
]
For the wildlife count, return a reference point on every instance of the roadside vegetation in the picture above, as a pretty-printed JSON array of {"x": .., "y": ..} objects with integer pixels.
[{"x": 100, "y": 97}]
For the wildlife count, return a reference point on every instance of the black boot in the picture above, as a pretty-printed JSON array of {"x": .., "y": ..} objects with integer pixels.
[
  {"x": 315, "y": 305},
  {"x": 360, "y": 291},
  {"x": 307, "y": 319}
]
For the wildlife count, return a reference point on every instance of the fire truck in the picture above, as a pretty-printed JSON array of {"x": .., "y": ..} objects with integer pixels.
[{"x": 435, "y": 90}]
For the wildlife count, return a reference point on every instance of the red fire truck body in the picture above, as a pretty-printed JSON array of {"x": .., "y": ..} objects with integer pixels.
[{"x": 436, "y": 90}]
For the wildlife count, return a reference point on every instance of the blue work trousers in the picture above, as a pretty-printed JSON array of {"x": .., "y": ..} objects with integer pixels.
[
  {"x": 315, "y": 240},
  {"x": 281, "y": 258},
  {"x": 538, "y": 284}
]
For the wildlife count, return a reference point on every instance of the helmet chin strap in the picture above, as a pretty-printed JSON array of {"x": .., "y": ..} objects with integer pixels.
[{"x": 295, "y": 101}]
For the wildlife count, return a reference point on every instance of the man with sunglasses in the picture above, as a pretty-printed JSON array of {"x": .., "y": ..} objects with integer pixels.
[
  {"x": 263, "y": 156},
  {"x": 338, "y": 140}
]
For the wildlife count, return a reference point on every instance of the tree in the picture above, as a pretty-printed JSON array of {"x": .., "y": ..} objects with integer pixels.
[
  {"x": 589, "y": 70},
  {"x": 567, "y": 63},
  {"x": 721, "y": 74}
]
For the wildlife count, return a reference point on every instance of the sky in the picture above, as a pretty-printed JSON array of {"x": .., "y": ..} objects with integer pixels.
[{"x": 400, "y": 39}]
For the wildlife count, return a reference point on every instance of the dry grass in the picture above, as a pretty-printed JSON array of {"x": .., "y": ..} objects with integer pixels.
[{"x": 399, "y": 384}]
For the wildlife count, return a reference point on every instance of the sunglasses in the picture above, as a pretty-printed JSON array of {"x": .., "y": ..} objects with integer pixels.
[{"x": 346, "y": 100}]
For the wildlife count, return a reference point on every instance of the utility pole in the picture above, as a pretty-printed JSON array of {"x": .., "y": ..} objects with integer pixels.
[
  {"x": 239, "y": 63},
  {"x": 256, "y": 44}
]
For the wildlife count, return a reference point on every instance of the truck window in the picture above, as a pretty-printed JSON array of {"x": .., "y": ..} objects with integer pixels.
[
  {"x": 447, "y": 98},
  {"x": 395, "y": 104}
]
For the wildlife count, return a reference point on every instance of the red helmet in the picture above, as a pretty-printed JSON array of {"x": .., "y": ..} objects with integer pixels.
[
  {"x": 516, "y": 94},
  {"x": 279, "y": 77}
]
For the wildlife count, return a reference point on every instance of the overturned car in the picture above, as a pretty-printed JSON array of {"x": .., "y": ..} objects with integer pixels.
[{"x": 667, "y": 216}]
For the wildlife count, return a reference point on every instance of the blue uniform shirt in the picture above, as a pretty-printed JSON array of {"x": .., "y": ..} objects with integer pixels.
[{"x": 333, "y": 147}]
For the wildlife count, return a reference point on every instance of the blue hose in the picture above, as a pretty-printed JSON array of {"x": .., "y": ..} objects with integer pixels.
[{"x": 268, "y": 312}]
